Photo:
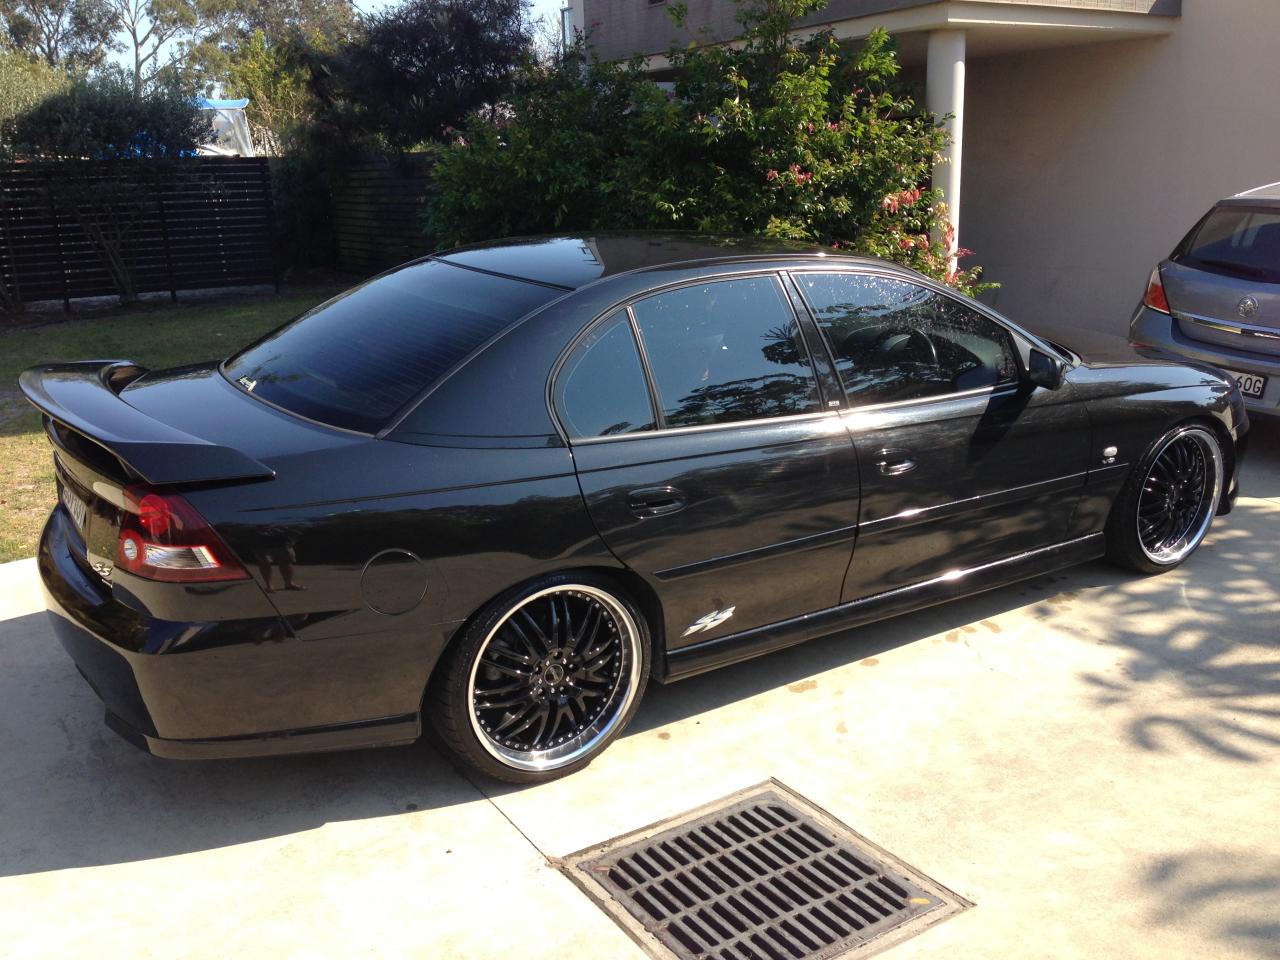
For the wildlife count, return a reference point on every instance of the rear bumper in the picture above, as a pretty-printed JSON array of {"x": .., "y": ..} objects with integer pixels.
[
  {"x": 1160, "y": 331},
  {"x": 223, "y": 688}
]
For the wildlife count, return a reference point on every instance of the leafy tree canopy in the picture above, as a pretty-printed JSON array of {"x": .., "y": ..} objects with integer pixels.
[
  {"x": 796, "y": 138},
  {"x": 415, "y": 69},
  {"x": 69, "y": 34},
  {"x": 233, "y": 30},
  {"x": 24, "y": 83}
]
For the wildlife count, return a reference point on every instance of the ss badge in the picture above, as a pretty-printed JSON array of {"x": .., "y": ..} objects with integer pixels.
[{"x": 710, "y": 621}]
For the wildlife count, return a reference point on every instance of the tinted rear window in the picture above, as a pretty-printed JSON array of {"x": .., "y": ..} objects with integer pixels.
[
  {"x": 354, "y": 361},
  {"x": 1236, "y": 240}
]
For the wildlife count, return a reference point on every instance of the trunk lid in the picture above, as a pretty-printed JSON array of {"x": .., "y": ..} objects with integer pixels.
[
  {"x": 1225, "y": 311},
  {"x": 112, "y": 425}
]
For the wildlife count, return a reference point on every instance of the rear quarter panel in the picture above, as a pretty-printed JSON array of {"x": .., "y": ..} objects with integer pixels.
[{"x": 477, "y": 520}]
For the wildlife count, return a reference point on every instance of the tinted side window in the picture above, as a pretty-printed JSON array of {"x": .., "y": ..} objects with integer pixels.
[
  {"x": 726, "y": 351},
  {"x": 893, "y": 340},
  {"x": 601, "y": 390}
]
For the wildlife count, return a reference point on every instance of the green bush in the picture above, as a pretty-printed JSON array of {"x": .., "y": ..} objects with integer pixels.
[
  {"x": 800, "y": 139},
  {"x": 101, "y": 118}
]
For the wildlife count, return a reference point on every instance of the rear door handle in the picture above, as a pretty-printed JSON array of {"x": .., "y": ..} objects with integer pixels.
[
  {"x": 894, "y": 463},
  {"x": 656, "y": 501}
]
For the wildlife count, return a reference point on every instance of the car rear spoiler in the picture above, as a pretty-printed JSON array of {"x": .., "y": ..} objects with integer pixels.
[{"x": 84, "y": 397}]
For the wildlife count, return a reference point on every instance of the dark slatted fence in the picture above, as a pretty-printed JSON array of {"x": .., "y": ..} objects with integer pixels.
[
  {"x": 377, "y": 211},
  {"x": 186, "y": 224}
]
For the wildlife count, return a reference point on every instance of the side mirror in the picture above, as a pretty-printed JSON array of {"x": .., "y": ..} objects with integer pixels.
[{"x": 1044, "y": 370}]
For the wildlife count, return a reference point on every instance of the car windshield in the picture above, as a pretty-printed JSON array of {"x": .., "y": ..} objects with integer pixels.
[
  {"x": 1241, "y": 241},
  {"x": 356, "y": 360}
]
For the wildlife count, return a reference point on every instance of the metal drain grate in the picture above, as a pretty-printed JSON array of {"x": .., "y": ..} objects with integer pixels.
[{"x": 760, "y": 875}]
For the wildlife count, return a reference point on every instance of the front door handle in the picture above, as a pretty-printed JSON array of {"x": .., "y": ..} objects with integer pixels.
[
  {"x": 894, "y": 463},
  {"x": 656, "y": 502}
]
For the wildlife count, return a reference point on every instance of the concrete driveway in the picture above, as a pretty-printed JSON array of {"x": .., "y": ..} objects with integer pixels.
[{"x": 1092, "y": 758}]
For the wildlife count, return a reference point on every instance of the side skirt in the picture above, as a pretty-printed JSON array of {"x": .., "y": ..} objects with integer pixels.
[{"x": 722, "y": 651}]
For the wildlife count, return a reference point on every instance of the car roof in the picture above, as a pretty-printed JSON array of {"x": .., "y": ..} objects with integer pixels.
[
  {"x": 1269, "y": 192},
  {"x": 574, "y": 260}
]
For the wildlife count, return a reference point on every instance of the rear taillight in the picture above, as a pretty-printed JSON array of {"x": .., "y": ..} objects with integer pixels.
[
  {"x": 164, "y": 538},
  {"x": 1155, "y": 298}
]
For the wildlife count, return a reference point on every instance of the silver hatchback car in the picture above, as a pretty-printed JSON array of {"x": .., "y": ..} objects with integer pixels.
[{"x": 1217, "y": 298}]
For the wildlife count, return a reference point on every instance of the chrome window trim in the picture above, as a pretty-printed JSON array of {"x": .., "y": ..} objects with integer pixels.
[
  {"x": 703, "y": 427},
  {"x": 1230, "y": 326},
  {"x": 845, "y": 414},
  {"x": 917, "y": 401}
]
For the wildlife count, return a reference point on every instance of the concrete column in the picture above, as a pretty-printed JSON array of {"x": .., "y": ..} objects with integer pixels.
[
  {"x": 572, "y": 19},
  {"x": 944, "y": 94}
]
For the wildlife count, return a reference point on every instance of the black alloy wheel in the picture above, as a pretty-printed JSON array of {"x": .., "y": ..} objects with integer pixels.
[
  {"x": 1169, "y": 504},
  {"x": 551, "y": 676}
]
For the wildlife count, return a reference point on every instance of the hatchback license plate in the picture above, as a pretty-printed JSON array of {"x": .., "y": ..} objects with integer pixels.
[
  {"x": 1251, "y": 385},
  {"x": 75, "y": 506}
]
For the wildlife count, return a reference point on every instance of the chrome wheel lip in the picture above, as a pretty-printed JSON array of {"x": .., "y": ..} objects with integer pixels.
[
  {"x": 589, "y": 739},
  {"x": 1196, "y": 531}
]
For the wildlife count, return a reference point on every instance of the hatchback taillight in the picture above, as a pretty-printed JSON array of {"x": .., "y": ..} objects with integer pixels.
[
  {"x": 163, "y": 537},
  {"x": 1155, "y": 298}
]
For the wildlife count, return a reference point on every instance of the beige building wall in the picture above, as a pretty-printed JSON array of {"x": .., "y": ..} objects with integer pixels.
[
  {"x": 1084, "y": 166},
  {"x": 624, "y": 28}
]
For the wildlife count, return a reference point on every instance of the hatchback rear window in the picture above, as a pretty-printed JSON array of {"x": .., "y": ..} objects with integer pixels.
[
  {"x": 1240, "y": 241},
  {"x": 354, "y": 361}
]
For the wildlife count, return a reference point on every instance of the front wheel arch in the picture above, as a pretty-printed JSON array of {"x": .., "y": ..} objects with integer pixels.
[{"x": 1125, "y": 545}]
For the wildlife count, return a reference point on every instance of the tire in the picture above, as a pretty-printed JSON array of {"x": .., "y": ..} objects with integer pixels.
[
  {"x": 1167, "y": 505},
  {"x": 542, "y": 679}
]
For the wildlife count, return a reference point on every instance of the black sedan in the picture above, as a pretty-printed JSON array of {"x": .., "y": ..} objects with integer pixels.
[{"x": 498, "y": 489}]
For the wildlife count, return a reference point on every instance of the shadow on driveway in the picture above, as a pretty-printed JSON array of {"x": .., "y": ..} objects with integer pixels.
[
  {"x": 76, "y": 795},
  {"x": 1234, "y": 893}
]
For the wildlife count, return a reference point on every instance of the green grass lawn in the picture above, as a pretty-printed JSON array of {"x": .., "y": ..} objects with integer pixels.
[{"x": 155, "y": 335}]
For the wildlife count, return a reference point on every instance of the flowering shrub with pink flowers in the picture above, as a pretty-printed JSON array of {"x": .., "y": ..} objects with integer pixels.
[{"x": 796, "y": 138}]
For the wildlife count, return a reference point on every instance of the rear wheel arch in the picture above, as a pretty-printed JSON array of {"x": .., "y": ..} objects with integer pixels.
[
  {"x": 631, "y": 583},
  {"x": 447, "y": 700}
]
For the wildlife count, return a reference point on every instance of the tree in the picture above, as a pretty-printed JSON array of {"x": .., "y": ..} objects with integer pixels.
[
  {"x": 68, "y": 34},
  {"x": 421, "y": 67},
  {"x": 274, "y": 77},
  {"x": 91, "y": 129},
  {"x": 230, "y": 30},
  {"x": 148, "y": 27},
  {"x": 24, "y": 83},
  {"x": 795, "y": 138},
  {"x": 282, "y": 19}
]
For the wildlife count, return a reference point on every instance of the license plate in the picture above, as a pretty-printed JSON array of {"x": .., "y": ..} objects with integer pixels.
[
  {"x": 1251, "y": 385},
  {"x": 75, "y": 506}
]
